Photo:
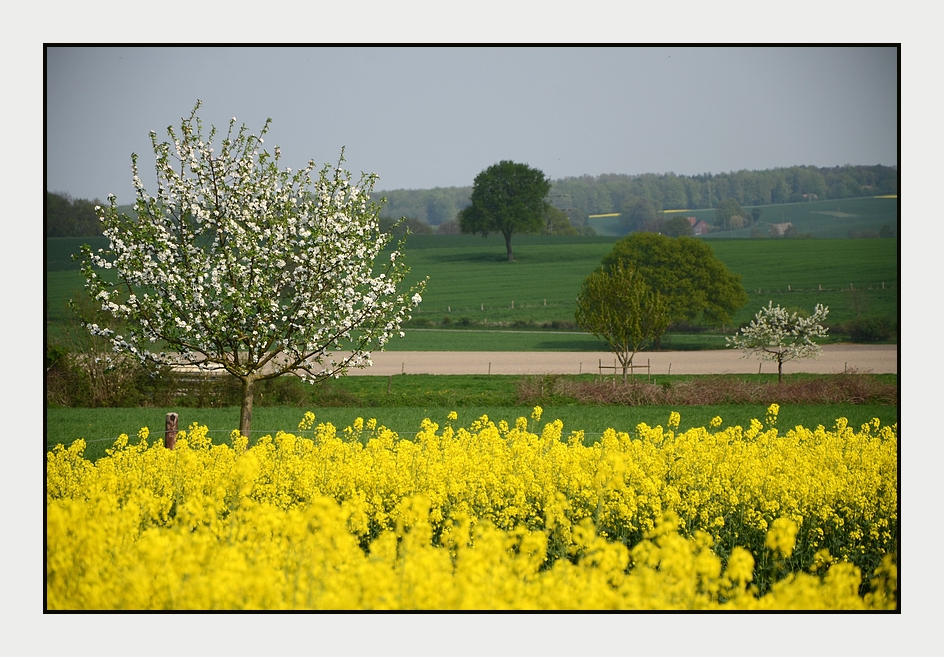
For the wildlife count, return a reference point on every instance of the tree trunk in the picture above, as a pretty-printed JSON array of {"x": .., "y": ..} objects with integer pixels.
[
  {"x": 511, "y": 256},
  {"x": 245, "y": 411},
  {"x": 627, "y": 366},
  {"x": 779, "y": 372}
]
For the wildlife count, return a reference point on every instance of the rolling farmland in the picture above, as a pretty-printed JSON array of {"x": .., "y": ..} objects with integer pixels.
[{"x": 471, "y": 284}]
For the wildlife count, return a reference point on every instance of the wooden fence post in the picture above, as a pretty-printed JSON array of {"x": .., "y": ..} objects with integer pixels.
[{"x": 170, "y": 430}]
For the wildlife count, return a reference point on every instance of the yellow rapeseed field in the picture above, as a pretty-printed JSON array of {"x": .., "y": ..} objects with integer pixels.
[{"x": 486, "y": 517}]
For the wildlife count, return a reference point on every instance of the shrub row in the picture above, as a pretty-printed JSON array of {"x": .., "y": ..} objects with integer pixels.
[
  {"x": 850, "y": 387},
  {"x": 75, "y": 381},
  {"x": 870, "y": 329}
]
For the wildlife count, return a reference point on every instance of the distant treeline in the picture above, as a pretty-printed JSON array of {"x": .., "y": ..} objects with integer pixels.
[
  {"x": 69, "y": 217},
  {"x": 431, "y": 206},
  {"x": 580, "y": 197}
]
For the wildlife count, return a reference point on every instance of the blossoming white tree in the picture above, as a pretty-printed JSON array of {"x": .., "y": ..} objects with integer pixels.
[
  {"x": 779, "y": 335},
  {"x": 238, "y": 265}
]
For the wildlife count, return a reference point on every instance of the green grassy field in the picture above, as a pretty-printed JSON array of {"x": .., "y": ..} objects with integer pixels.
[
  {"x": 470, "y": 282},
  {"x": 472, "y": 285},
  {"x": 479, "y": 339},
  {"x": 99, "y": 427},
  {"x": 403, "y": 401},
  {"x": 821, "y": 219}
]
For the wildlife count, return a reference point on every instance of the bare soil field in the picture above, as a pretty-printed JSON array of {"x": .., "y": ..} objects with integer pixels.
[{"x": 875, "y": 359}]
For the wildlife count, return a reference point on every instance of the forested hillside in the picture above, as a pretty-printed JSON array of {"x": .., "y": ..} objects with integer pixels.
[
  {"x": 582, "y": 196},
  {"x": 642, "y": 196},
  {"x": 69, "y": 217},
  {"x": 433, "y": 206}
]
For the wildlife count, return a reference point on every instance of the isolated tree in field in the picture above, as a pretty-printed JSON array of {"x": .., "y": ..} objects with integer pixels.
[
  {"x": 696, "y": 285},
  {"x": 507, "y": 198},
  {"x": 780, "y": 335},
  {"x": 238, "y": 265},
  {"x": 726, "y": 210},
  {"x": 677, "y": 226},
  {"x": 618, "y": 307}
]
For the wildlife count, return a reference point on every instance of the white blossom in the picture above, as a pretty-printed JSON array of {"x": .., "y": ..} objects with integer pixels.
[
  {"x": 776, "y": 334},
  {"x": 272, "y": 265}
]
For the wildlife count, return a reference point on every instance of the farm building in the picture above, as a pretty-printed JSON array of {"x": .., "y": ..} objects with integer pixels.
[{"x": 698, "y": 227}]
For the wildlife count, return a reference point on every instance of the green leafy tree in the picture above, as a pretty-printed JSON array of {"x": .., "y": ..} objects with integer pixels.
[
  {"x": 618, "y": 307},
  {"x": 439, "y": 207},
  {"x": 70, "y": 217},
  {"x": 696, "y": 285},
  {"x": 556, "y": 222},
  {"x": 726, "y": 210},
  {"x": 677, "y": 226},
  {"x": 779, "y": 335},
  {"x": 404, "y": 226},
  {"x": 240, "y": 266},
  {"x": 673, "y": 192},
  {"x": 507, "y": 198},
  {"x": 638, "y": 212}
]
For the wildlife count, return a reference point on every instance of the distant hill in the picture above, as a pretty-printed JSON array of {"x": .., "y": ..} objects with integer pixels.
[
  {"x": 583, "y": 196},
  {"x": 433, "y": 206},
  {"x": 845, "y": 218}
]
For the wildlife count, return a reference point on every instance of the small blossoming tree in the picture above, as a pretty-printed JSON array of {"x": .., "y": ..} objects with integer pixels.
[
  {"x": 237, "y": 265},
  {"x": 779, "y": 335}
]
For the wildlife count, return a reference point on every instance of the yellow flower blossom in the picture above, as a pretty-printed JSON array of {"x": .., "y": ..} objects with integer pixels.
[
  {"x": 772, "y": 411},
  {"x": 484, "y": 517},
  {"x": 782, "y": 536},
  {"x": 674, "y": 420},
  {"x": 307, "y": 422}
]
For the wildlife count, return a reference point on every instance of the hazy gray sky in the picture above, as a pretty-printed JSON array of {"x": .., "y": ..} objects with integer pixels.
[{"x": 423, "y": 117}]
